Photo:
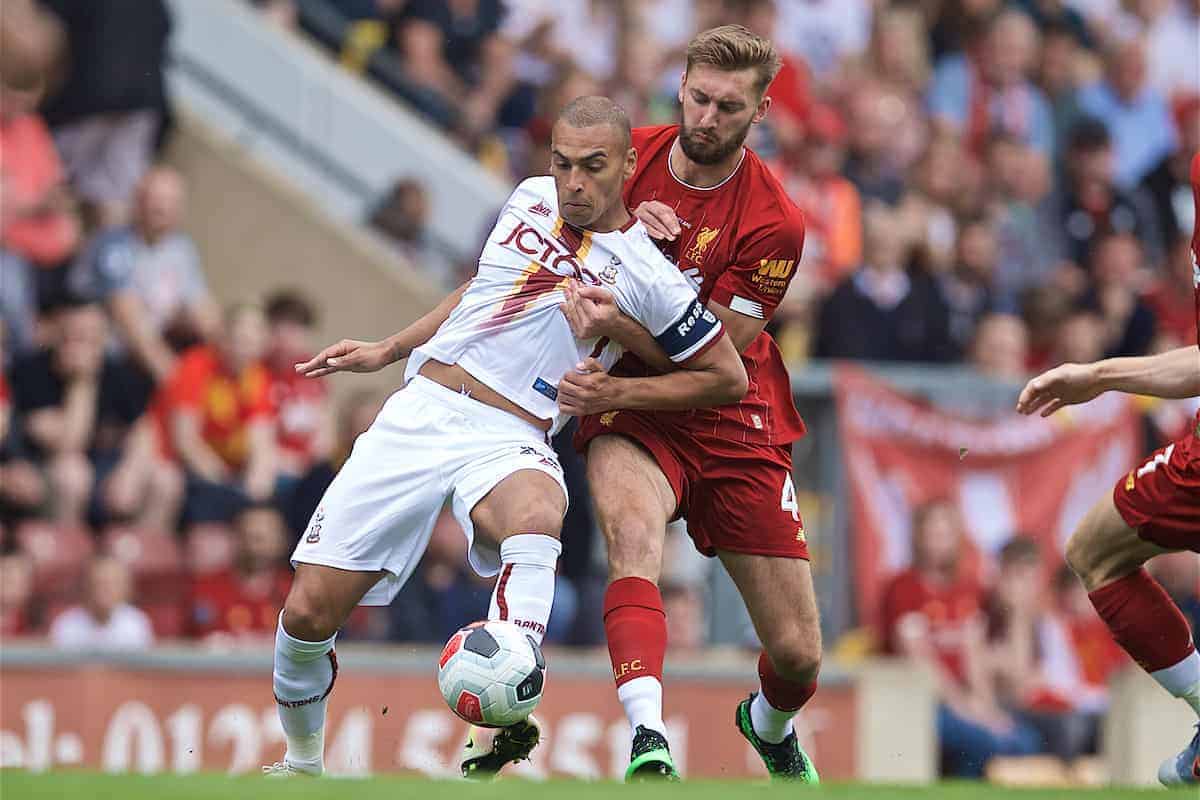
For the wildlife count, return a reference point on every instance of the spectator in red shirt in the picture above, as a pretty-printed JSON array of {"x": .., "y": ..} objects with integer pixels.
[
  {"x": 244, "y": 602},
  {"x": 1170, "y": 297},
  {"x": 37, "y": 218},
  {"x": 1066, "y": 689},
  {"x": 931, "y": 614},
  {"x": 303, "y": 425},
  {"x": 216, "y": 417}
]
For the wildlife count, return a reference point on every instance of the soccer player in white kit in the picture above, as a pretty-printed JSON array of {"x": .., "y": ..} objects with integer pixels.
[{"x": 473, "y": 422}]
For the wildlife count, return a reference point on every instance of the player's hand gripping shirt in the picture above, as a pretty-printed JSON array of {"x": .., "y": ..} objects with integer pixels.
[{"x": 508, "y": 331}]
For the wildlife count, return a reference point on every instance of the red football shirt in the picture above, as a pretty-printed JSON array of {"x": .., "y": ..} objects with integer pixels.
[
  {"x": 740, "y": 244},
  {"x": 942, "y": 611},
  {"x": 299, "y": 404},
  {"x": 226, "y": 603},
  {"x": 226, "y": 403}
]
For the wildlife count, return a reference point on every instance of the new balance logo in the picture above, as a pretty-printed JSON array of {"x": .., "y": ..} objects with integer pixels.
[{"x": 542, "y": 209}]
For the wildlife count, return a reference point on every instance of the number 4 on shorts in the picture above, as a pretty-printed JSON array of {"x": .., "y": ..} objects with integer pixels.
[
  {"x": 1159, "y": 460},
  {"x": 787, "y": 500}
]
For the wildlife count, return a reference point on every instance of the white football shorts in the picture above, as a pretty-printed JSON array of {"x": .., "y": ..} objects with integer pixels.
[{"x": 428, "y": 444}]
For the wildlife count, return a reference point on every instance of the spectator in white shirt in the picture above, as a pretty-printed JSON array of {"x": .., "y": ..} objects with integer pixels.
[{"x": 105, "y": 620}]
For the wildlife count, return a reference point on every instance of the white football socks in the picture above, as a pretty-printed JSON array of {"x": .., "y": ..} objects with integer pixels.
[
  {"x": 524, "y": 591},
  {"x": 303, "y": 677},
  {"x": 771, "y": 724},
  {"x": 1182, "y": 680},
  {"x": 643, "y": 702}
]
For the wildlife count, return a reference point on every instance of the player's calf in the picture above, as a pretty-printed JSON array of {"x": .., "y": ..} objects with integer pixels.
[
  {"x": 305, "y": 663},
  {"x": 1108, "y": 556}
]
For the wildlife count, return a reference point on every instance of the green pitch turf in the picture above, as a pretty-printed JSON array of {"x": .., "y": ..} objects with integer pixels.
[{"x": 16, "y": 785}]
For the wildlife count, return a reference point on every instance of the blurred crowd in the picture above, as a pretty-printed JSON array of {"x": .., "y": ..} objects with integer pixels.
[
  {"x": 997, "y": 182},
  {"x": 1021, "y": 661}
]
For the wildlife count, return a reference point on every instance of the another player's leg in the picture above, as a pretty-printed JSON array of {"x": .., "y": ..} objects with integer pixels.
[
  {"x": 523, "y": 513},
  {"x": 1109, "y": 556},
  {"x": 779, "y": 595},
  {"x": 633, "y": 502},
  {"x": 320, "y": 600}
]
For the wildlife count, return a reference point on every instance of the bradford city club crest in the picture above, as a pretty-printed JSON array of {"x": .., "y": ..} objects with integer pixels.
[{"x": 609, "y": 273}]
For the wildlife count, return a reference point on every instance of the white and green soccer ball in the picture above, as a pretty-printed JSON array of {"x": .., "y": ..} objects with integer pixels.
[{"x": 491, "y": 673}]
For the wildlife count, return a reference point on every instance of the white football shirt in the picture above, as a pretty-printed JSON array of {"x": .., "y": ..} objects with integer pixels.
[{"x": 508, "y": 331}]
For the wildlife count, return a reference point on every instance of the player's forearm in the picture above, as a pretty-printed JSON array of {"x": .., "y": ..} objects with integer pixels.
[
  {"x": 679, "y": 391},
  {"x": 403, "y": 343},
  {"x": 637, "y": 340},
  {"x": 1171, "y": 375}
]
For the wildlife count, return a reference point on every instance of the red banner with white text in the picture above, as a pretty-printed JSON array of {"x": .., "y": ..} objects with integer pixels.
[
  {"x": 130, "y": 719},
  {"x": 1009, "y": 474}
]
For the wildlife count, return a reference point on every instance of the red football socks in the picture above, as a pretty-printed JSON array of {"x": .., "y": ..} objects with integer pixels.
[
  {"x": 782, "y": 694},
  {"x": 1144, "y": 621},
  {"x": 636, "y": 627}
]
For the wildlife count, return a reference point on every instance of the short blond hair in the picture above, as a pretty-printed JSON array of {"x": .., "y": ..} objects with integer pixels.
[{"x": 735, "y": 47}]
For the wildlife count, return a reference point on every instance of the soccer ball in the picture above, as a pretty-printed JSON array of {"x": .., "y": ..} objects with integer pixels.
[{"x": 491, "y": 674}]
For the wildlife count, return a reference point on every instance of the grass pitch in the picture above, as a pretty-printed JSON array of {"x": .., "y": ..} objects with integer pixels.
[{"x": 16, "y": 785}]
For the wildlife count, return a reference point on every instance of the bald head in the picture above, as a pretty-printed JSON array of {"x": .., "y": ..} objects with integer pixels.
[
  {"x": 593, "y": 110},
  {"x": 590, "y": 159}
]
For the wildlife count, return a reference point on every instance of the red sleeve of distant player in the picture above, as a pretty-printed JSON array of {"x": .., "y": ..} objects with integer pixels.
[{"x": 765, "y": 265}]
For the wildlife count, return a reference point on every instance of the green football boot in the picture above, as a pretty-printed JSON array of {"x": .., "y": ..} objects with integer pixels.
[
  {"x": 650, "y": 758},
  {"x": 786, "y": 761}
]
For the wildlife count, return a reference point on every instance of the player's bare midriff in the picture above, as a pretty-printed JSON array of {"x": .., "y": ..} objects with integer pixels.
[{"x": 457, "y": 379}]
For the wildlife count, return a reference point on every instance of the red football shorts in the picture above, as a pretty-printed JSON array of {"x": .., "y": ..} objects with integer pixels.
[
  {"x": 1160, "y": 499},
  {"x": 737, "y": 498}
]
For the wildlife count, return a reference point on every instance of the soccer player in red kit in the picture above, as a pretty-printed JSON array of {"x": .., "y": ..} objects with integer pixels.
[
  {"x": 1155, "y": 509},
  {"x": 721, "y": 216}
]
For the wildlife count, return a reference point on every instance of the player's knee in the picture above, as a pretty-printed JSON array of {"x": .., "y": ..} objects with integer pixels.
[
  {"x": 634, "y": 551},
  {"x": 1104, "y": 548},
  {"x": 796, "y": 658},
  {"x": 1078, "y": 555},
  {"x": 539, "y": 515},
  {"x": 797, "y": 661},
  {"x": 307, "y": 618}
]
